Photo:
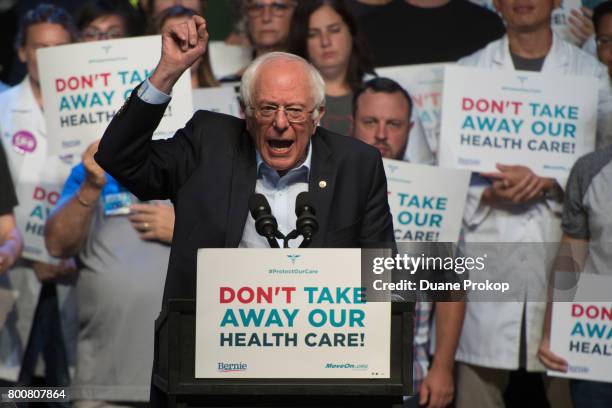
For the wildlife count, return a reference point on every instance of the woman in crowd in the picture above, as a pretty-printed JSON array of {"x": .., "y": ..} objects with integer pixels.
[
  {"x": 266, "y": 25},
  {"x": 326, "y": 34},
  {"x": 106, "y": 20},
  {"x": 201, "y": 72}
]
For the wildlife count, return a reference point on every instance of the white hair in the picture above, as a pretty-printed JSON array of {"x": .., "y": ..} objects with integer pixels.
[{"x": 247, "y": 83}]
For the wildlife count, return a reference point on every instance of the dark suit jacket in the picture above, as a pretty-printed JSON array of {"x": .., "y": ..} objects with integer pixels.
[{"x": 208, "y": 169}]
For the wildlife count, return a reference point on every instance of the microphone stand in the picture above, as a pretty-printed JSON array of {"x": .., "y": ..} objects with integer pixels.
[
  {"x": 272, "y": 239},
  {"x": 294, "y": 234}
]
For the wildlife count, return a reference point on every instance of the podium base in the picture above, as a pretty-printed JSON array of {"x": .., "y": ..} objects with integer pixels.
[{"x": 284, "y": 401}]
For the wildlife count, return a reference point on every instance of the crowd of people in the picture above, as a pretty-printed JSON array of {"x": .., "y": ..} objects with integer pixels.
[{"x": 86, "y": 319}]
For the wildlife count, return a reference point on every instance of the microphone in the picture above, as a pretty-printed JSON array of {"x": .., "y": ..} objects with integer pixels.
[
  {"x": 306, "y": 223},
  {"x": 265, "y": 223}
]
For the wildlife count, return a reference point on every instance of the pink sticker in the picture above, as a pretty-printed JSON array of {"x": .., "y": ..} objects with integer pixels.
[{"x": 24, "y": 142}]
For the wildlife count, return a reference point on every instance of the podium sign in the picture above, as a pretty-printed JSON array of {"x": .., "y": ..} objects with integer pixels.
[{"x": 290, "y": 313}]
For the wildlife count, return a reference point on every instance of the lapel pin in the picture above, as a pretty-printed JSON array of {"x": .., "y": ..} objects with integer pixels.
[{"x": 322, "y": 184}]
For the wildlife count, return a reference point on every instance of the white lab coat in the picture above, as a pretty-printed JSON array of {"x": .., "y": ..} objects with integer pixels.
[
  {"x": 19, "y": 111},
  {"x": 491, "y": 333}
]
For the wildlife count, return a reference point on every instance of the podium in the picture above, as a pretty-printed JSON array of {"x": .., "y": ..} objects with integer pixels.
[{"x": 174, "y": 372}]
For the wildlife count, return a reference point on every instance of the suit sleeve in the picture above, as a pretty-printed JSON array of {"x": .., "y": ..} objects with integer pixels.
[
  {"x": 149, "y": 169},
  {"x": 377, "y": 225}
]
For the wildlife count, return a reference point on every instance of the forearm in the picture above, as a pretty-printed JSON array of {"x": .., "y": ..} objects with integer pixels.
[
  {"x": 449, "y": 321},
  {"x": 68, "y": 226},
  {"x": 571, "y": 257},
  {"x": 164, "y": 80}
]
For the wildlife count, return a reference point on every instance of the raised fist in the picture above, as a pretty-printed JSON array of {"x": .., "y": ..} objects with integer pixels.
[{"x": 182, "y": 45}]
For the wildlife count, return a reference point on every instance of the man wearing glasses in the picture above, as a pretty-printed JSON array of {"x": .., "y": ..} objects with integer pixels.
[{"x": 210, "y": 168}]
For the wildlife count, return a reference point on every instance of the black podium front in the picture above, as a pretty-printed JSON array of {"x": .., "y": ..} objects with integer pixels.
[{"x": 174, "y": 372}]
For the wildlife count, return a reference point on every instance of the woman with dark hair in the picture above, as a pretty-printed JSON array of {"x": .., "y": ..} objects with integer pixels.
[
  {"x": 325, "y": 33},
  {"x": 107, "y": 20},
  {"x": 201, "y": 71}
]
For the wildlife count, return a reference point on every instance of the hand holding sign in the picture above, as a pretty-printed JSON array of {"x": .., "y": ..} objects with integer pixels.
[
  {"x": 182, "y": 45},
  {"x": 550, "y": 360},
  {"x": 581, "y": 24},
  {"x": 515, "y": 184}
]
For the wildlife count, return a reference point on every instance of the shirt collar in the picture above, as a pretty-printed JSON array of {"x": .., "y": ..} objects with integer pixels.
[{"x": 557, "y": 55}]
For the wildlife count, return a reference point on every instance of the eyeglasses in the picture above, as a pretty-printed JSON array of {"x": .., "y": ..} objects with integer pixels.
[
  {"x": 295, "y": 114},
  {"x": 604, "y": 41},
  {"x": 277, "y": 9},
  {"x": 95, "y": 34}
]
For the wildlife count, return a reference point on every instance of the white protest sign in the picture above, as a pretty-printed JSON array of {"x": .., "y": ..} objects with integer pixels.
[
  {"x": 227, "y": 60},
  {"x": 84, "y": 84},
  {"x": 581, "y": 333},
  {"x": 38, "y": 176},
  {"x": 288, "y": 313},
  {"x": 39, "y": 196},
  {"x": 424, "y": 83},
  {"x": 218, "y": 99},
  {"x": 517, "y": 118},
  {"x": 426, "y": 202}
]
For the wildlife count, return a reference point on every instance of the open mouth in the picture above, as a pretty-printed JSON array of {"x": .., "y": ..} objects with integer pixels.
[{"x": 280, "y": 146}]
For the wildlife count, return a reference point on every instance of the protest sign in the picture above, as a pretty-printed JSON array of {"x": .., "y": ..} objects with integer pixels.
[
  {"x": 84, "y": 85},
  {"x": 288, "y": 313},
  {"x": 218, "y": 99},
  {"x": 38, "y": 197},
  {"x": 581, "y": 333},
  {"x": 426, "y": 202},
  {"x": 424, "y": 83},
  {"x": 518, "y": 118},
  {"x": 38, "y": 177},
  {"x": 228, "y": 60}
]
